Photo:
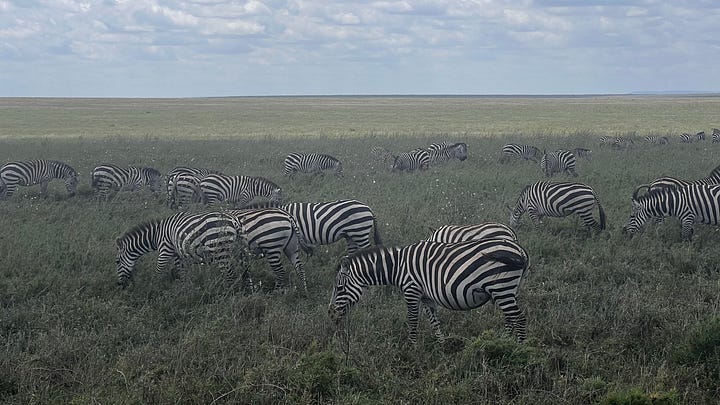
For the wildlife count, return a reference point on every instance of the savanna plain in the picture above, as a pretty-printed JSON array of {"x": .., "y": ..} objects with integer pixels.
[{"x": 611, "y": 319}]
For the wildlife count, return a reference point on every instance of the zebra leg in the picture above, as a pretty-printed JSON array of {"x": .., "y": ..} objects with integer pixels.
[
  {"x": 273, "y": 259},
  {"x": 44, "y": 187},
  {"x": 9, "y": 191},
  {"x": 589, "y": 221},
  {"x": 412, "y": 299},
  {"x": 293, "y": 254},
  {"x": 535, "y": 217},
  {"x": 515, "y": 320},
  {"x": 687, "y": 227},
  {"x": 430, "y": 308},
  {"x": 166, "y": 254}
]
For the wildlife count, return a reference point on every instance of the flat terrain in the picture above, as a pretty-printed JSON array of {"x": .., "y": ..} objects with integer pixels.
[{"x": 609, "y": 318}]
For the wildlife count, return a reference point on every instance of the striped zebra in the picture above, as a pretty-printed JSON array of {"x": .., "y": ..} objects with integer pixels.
[
  {"x": 458, "y": 276},
  {"x": 464, "y": 233},
  {"x": 314, "y": 163},
  {"x": 382, "y": 155},
  {"x": 325, "y": 223},
  {"x": 442, "y": 152},
  {"x": 411, "y": 161},
  {"x": 607, "y": 140},
  {"x": 583, "y": 153},
  {"x": 700, "y": 136},
  {"x": 558, "y": 200},
  {"x": 687, "y": 138},
  {"x": 516, "y": 151},
  {"x": 237, "y": 190},
  {"x": 712, "y": 179},
  {"x": 560, "y": 161},
  {"x": 691, "y": 203},
  {"x": 208, "y": 237},
  {"x": 183, "y": 183},
  {"x": 32, "y": 172},
  {"x": 112, "y": 177},
  {"x": 273, "y": 232},
  {"x": 716, "y": 135},
  {"x": 657, "y": 140},
  {"x": 622, "y": 142}
]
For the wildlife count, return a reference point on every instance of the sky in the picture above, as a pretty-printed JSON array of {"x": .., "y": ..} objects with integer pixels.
[{"x": 197, "y": 48}]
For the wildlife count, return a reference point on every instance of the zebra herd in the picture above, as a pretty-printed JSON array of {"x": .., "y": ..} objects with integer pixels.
[
  {"x": 458, "y": 267},
  {"x": 625, "y": 142}
]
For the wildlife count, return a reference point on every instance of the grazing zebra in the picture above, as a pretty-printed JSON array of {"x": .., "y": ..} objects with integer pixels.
[
  {"x": 237, "y": 190},
  {"x": 716, "y": 135},
  {"x": 583, "y": 153},
  {"x": 622, "y": 142},
  {"x": 560, "y": 161},
  {"x": 513, "y": 150},
  {"x": 382, "y": 155},
  {"x": 325, "y": 223},
  {"x": 657, "y": 140},
  {"x": 183, "y": 237},
  {"x": 111, "y": 177},
  {"x": 444, "y": 151},
  {"x": 464, "y": 233},
  {"x": 411, "y": 161},
  {"x": 558, "y": 200},
  {"x": 458, "y": 276},
  {"x": 273, "y": 232},
  {"x": 314, "y": 163},
  {"x": 691, "y": 203},
  {"x": 31, "y": 172},
  {"x": 712, "y": 179},
  {"x": 185, "y": 191}
]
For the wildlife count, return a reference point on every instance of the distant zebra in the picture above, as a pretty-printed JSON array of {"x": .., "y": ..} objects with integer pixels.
[
  {"x": 691, "y": 203},
  {"x": 314, "y": 163},
  {"x": 583, "y": 153},
  {"x": 411, "y": 161},
  {"x": 31, "y": 172},
  {"x": 325, "y": 223},
  {"x": 687, "y": 138},
  {"x": 183, "y": 184},
  {"x": 607, "y": 140},
  {"x": 716, "y": 135},
  {"x": 657, "y": 140},
  {"x": 516, "y": 151},
  {"x": 442, "y": 152},
  {"x": 382, "y": 155},
  {"x": 700, "y": 136},
  {"x": 464, "y": 233},
  {"x": 712, "y": 179},
  {"x": 237, "y": 190},
  {"x": 458, "y": 276},
  {"x": 558, "y": 200},
  {"x": 622, "y": 142},
  {"x": 183, "y": 237},
  {"x": 273, "y": 232},
  {"x": 560, "y": 161},
  {"x": 112, "y": 177}
]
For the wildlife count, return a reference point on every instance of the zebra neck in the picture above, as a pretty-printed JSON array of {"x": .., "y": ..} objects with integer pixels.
[{"x": 380, "y": 267}]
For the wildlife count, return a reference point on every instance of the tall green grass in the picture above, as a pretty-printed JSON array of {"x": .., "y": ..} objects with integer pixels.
[{"x": 610, "y": 319}]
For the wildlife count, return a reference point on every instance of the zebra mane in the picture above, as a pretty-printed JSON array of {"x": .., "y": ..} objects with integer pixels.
[
  {"x": 262, "y": 205},
  {"x": 137, "y": 229},
  {"x": 367, "y": 251},
  {"x": 652, "y": 192}
]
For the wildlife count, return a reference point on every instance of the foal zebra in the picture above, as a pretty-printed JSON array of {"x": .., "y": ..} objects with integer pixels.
[
  {"x": 691, "y": 203},
  {"x": 513, "y": 150},
  {"x": 444, "y": 151},
  {"x": 560, "y": 161},
  {"x": 558, "y": 200},
  {"x": 237, "y": 190},
  {"x": 314, "y": 163},
  {"x": 211, "y": 236},
  {"x": 112, "y": 177},
  {"x": 325, "y": 223},
  {"x": 31, "y": 172},
  {"x": 411, "y": 161},
  {"x": 458, "y": 276},
  {"x": 464, "y": 233}
]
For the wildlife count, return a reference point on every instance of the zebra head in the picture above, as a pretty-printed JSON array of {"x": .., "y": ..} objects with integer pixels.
[
  {"x": 640, "y": 211},
  {"x": 345, "y": 293},
  {"x": 520, "y": 207},
  {"x": 544, "y": 163},
  {"x": 153, "y": 179},
  {"x": 267, "y": 188},
  {"x": 131, "y": 246},
  {"x": 125, "y": 262},
  {"x": 71, "y": 182},
  {"x": 338, "y": 168},
  {"x": 460, "y": 150}
]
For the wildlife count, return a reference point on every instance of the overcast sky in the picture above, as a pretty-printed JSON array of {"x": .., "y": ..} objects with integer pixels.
[{"x": 171, "y": 48}]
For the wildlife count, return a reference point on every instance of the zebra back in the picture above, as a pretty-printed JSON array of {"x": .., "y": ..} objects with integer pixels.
[
  {"x": 513, "y": 150},
  {"x": 411, "y": 161},
  {"x": 311, "y": 163},
  {"x": 464, "y": 233},
  {"x": 444, "y": 151}
]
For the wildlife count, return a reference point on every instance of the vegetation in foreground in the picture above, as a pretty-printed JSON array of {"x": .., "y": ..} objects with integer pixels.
[{"x": 610, "y": 319}]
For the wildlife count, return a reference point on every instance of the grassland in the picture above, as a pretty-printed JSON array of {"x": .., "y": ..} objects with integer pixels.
[{"x": 609, "y": 318}]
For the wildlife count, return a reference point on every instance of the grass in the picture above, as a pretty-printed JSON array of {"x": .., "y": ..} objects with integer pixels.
[{"x": 610, "y": 319}]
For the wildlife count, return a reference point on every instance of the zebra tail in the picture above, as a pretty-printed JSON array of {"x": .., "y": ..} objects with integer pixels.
[
  {"x": 376, "y": 233},
  {"x": 513, "y": 260},
  {"x": 602, "y": 214},
  {"x": 94, "y": 181}
]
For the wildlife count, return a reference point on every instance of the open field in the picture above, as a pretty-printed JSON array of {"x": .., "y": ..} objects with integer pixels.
[{"x": 609, "y": 318}]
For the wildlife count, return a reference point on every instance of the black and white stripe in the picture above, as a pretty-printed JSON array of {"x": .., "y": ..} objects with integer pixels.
[
  {"x": 583, "y": 153},
  {"x": 516, "y": 151},
  {"x": 657, "y": 140},
  {"x": 444, "y": 151},
  {"x": 712, "y": 179},
  {"x": 237, "y": 190},
  {"x": 558, "y": 200},
  {"x": 560, "y": 161},
  {"x": 314, "y": 163},
  {"x": 202, "y": 238},
  {"x": 458, "y": 276},
  {"x": 112, "y": 177},
  {"x": 622, "y": 142},
  {"x": 183, "y": 184},
  {"x": 465, "y": 233},
  {"x": 31, "y": 172},
  {"x": 716, "y": 135},
  {"x": 687, "y": 138},
  {"x": 691, "y": 203},
  {"x": 411, "y": 161}
]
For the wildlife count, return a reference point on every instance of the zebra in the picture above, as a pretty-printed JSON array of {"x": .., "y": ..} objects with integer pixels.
[
  {"x": 411, "y": 161},
  {"x": 31, "y": 172},
  {"x": 687, "y": 138},
  {"x": 183, "y": 237},
  {"x": 513, "y": 150},
  {"x": 325, "y": 223},
  {"x": 464, "y": 233},
  {"x": 382, "y": 155},
  {"x": 560, "y": 161},
  {"x": 659, "y": 140},
  {"x": 716, "y": 135},
  {"x": 583, "y": 153},
  {"x": 458, "y": 276},
  {"x": 607, "y": 140},
  {"x": 314, "y": 163},
  {"x": 558, "y": 200},
  {"x": 444, "y": 151},
  {"x": 181, "y": 192},
  {"x": 712, "y": 179},
  {"x": 691, "y": 203},
  {"x": 700, "y": 136},
  {"x": 107, "y": 177},
  {"x": 237, "y": 190},
  {"x": 622, "y": 142},
  {"x": 272, "y": 232}
]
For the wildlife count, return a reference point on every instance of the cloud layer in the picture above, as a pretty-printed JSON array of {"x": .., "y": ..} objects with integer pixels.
[{"x": 210, "y": 47}]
